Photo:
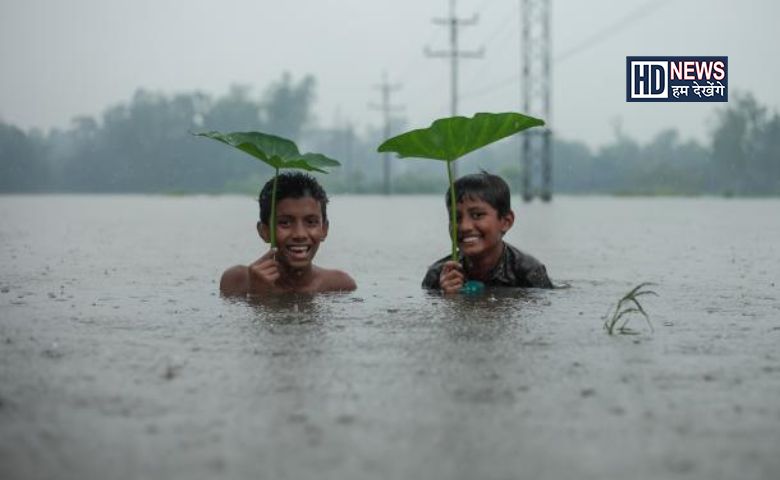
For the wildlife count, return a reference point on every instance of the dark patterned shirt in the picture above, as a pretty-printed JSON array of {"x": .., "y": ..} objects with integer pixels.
[{"x": 514, "y": 269}]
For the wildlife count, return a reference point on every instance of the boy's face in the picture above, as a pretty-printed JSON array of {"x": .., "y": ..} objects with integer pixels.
[
  {"x": 299, "y": 231},
  {"x": 480, "y": 229}
]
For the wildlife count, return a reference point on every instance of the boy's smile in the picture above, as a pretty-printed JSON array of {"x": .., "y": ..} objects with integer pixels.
[
  {"x": 480, "y": 229},
  {"x": 299, "y": 231}
]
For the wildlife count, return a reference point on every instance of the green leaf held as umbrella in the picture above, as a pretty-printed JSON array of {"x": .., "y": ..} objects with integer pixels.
[
  {"x": 277, "y": 152},
  {"x": 450, "y": 138}
]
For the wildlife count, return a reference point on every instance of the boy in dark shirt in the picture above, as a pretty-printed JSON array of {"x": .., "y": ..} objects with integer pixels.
[
  {"x": 484, "y": 216},
  {"x": 301, "y": 225}
]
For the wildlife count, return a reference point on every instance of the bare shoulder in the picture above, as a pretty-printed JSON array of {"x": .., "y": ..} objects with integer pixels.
[
  {"x": 335, "y": 281},
  {"x": 234, "y": 281}
]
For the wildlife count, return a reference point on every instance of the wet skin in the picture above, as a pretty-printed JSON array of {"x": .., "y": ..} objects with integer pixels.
[
  {"x": 288, "y": 268},
  {"x": 480, "y": 239},
  {"x": 299, "y": 231}
]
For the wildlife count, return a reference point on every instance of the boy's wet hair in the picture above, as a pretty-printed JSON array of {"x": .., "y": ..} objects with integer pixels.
[
  {"x": 484, "y": 186},
  {"x": 292, "y": 185}
]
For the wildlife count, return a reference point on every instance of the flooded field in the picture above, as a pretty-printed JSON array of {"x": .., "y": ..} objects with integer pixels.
[{"x": 118, "y": 358}]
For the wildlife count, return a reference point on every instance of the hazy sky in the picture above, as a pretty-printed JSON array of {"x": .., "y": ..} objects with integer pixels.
[{"x": 59, "y": 59}]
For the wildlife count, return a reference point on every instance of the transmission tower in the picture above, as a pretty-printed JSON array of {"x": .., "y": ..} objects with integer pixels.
[
  {"x": 536, "y": 84},
  {"x": 385, "y": 89},
  {"x": 453, "y": 54}
]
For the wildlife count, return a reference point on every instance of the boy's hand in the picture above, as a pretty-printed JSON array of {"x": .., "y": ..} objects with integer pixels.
[
  {"x": 264, "y": 273},
  {"x": 451, "y": 278}
]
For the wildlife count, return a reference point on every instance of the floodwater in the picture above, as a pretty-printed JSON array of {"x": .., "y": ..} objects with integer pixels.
[{"x": 118, "y": 358}]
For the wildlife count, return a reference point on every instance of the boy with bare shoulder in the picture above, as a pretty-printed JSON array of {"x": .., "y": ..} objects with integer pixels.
[{"x": 302, "y": 224}]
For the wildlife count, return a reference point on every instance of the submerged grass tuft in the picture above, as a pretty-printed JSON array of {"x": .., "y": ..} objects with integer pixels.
[{"x": 627, "y": 306}]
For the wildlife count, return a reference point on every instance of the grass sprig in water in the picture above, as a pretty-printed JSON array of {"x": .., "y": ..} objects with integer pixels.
[{"x": 627, "y": 306}]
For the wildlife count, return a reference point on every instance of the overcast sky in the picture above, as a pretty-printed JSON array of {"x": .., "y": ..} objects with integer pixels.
[{"x": 59, "y": 59}]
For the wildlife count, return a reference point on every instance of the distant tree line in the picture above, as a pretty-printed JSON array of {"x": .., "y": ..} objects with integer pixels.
[
  {"x": 741, "y": 158},
  {"x": 144, "y": 146}
]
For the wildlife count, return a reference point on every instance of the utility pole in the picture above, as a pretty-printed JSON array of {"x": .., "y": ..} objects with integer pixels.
[
  {"x": 536, "y": 85},
  {"x": 453, "y": 54},
  {"x": 385, "y": 89}
]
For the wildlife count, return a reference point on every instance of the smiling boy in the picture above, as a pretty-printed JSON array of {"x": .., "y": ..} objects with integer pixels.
[
  {"x": 301, "y": 225},
  {"x": 484, "y": 215}
]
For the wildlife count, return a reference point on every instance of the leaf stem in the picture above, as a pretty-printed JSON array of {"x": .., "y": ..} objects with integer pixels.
[
  {"x": 273, "y": 210},
  {"x": 453, "y": 215}
]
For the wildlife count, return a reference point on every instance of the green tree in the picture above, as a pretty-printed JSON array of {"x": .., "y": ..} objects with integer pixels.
[
  {"x": 287, "y": 106},
  {"x": 746, "y": 147},
  {"x": 22, "y": 164}
]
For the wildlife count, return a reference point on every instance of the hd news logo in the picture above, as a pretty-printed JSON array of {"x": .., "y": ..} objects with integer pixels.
[{"x": 677, "y": 79}]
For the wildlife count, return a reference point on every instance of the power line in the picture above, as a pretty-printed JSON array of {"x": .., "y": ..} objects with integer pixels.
[
  {"x": 634, "y": 16},
  {"x": 415, "y": 60},
  {"x": 497, "y": 34},
  {"x": 483, "y": 6},
  {"x": 454, "y": 53},
  {"x": 490, "y": 88}
]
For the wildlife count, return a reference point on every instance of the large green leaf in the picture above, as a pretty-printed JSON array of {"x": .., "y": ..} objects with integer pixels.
[
  {"x": 450, "y": 138},
  {"x": 276, "y": 151}
]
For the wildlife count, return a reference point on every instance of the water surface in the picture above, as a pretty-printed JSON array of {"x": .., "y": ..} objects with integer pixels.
[{"x": 118, "y": 355}]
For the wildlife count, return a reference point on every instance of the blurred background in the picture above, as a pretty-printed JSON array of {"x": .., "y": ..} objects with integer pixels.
[
  {"x": 100, "y": 96},
  {"x": 118, "y": 355}
]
